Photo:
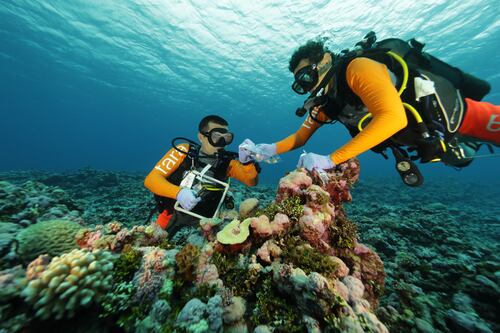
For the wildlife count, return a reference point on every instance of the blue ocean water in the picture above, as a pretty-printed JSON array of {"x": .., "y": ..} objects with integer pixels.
[{"x": 108, "y": 84}]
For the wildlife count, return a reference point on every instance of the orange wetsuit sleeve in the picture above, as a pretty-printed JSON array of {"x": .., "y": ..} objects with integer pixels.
[
  {"x": 370, "y": 81},
  {"x": 156, "y": 181},
  {"x": 303, "y": 134},
  {"x": 245, "y": 173}
]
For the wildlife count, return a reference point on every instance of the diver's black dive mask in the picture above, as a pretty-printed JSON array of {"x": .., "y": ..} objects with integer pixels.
[
  {"x": 219, "y": 137},
  {"x": 305, "y": 79}
]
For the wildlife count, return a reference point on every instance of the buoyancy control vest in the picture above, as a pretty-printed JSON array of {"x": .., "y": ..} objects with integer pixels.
[
  {"x": 431, "y": 90},
  {"x": 210, "y": 198}
]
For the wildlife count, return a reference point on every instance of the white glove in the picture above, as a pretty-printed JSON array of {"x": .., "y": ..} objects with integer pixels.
[
  {"x": 312, "y": 161},
  {"x": 187, "y": 198}
]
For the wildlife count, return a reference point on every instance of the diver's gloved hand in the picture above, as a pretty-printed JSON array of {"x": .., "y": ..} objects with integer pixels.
[
  {"x": 265, "y": 151},
  {"x": 429, "y": 149},
  {"x": 312, "y": 161},
  {"x": 249, "y": 151},
  {"x": 187, "y": 198},
  {"x": 246, "y": 151}
]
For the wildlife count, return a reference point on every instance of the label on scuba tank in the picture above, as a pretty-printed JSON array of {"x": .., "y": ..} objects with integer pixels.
[{"x": 188, "y": 180}]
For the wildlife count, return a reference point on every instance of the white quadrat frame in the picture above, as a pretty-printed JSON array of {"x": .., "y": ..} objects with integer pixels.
[{"x": 201, "y": 176}]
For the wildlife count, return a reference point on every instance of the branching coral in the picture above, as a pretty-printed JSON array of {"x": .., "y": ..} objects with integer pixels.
[{"x": 75, "y": 279}]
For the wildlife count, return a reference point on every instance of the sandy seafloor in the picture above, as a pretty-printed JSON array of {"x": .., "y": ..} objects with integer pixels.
[{"x": 440, "y": 244}]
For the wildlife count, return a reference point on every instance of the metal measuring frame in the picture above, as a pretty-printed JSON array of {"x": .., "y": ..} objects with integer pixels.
[{"x": 201, "y": 176}]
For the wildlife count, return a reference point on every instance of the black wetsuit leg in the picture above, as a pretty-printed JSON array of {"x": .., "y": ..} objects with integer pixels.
[{"x": 180, "y": 220}]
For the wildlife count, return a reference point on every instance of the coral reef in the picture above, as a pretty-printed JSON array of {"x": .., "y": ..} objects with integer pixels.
[
  {"x": 302, "y": 266},
  {"x": 8, "y": 233},
  {"x": 112, "y": 236},
  {"x": 32, "y": 201},
  {"x": 73, "y": 280},
  {"x": 49, "y": 237}
]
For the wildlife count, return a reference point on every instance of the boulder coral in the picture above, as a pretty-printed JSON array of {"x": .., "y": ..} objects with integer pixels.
[
  {"x": 247, "y": 207},
  {"x": 49, "y": 237},
  {"x": 75, "y": 279}
]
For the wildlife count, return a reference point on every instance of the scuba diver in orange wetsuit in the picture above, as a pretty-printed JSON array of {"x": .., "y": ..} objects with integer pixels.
[
  {"x": 392, "y": 95},
  {"x": 166, "y": 177}
]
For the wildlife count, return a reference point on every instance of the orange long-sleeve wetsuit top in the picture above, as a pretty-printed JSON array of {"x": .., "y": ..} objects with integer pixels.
[
  {"x": 370, "y": 80},
  {"x": 157, "y": 182}
]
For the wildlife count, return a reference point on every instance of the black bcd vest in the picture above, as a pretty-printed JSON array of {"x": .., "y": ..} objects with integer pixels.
[
  {"x": 442, "y": 111},
  {"x": 210, "y": 199}
]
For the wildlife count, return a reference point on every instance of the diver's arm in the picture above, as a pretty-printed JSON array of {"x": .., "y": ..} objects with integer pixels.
[
  {"x": 245, "y": 173},
  {"x": 156, "y": 181},
  {"x": 303, "y": 134},
  {"x": 370, "y": 81}
]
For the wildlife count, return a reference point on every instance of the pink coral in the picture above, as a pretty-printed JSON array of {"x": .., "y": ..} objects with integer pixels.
[
  {"x": 338, "y": 181},
  {"x": 293, "y": 184},
  {"x": 262, "y": 228},
  {"x": 86, "y": 238},
  {"x": 149, "y": 279},
  {"x": 267, "y": 250},
  {"x": 367, "y": 266},
  {"x": 113, "y": 237},
  {"x": 36, "y": 268},
  {"x": 314, "y": 228},
  {"x": 206, "y": 272}
]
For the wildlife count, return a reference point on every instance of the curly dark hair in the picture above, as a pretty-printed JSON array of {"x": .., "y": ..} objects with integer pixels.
[{"x": 312, "y": 50}]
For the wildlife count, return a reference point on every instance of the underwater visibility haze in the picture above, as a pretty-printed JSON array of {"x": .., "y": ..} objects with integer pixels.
[
  {"x": 91, "y": 95},
  {"x": 108, "y": 84}
]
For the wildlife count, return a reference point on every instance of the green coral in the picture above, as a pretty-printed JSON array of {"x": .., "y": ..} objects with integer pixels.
[
  {"x": 307, "y": 258},
  {"x": 290, "y": 206},
  {"x": 271, "y": 308},
  {"x": 238, "y": 279},
  {"x": 343, "y": 233},
  {"x": 50, "y": 237},
  {"x": 117, "y": 301},
  {"x": 127, "y": 264}
]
